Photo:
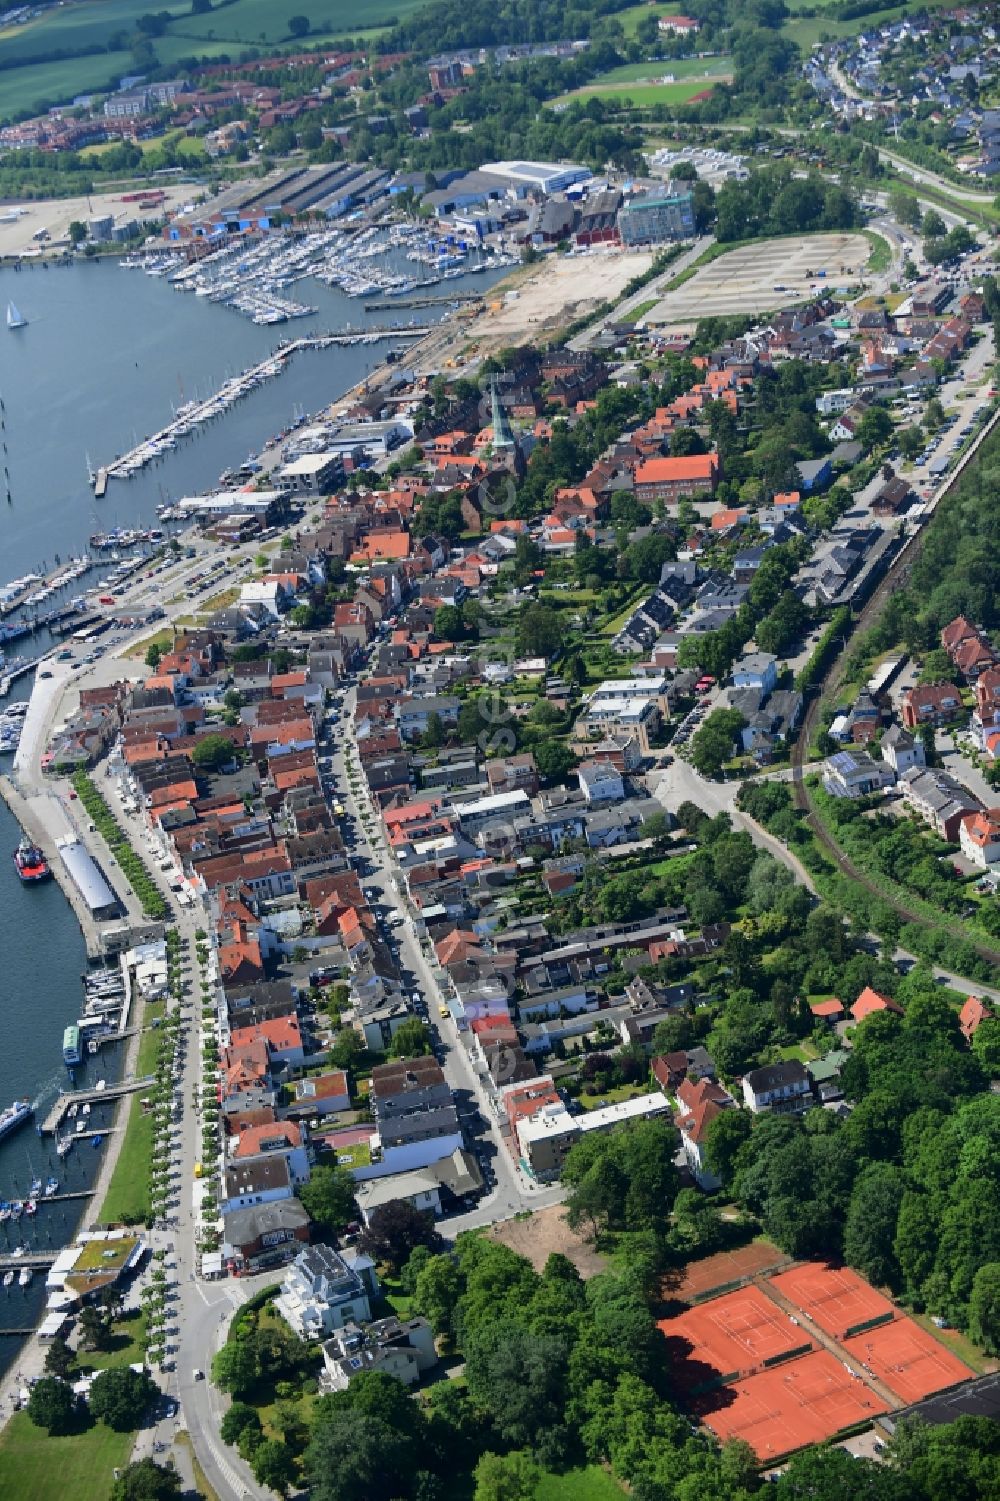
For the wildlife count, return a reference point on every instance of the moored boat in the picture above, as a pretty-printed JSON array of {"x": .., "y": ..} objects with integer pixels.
[
  {"x": 30, "y": 864},
  {"x": 14, "y": 1116}
]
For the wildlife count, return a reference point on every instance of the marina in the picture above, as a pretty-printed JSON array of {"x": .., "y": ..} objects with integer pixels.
[
  {"x": 394, "y": 260},
  {"x": 195, "y": 414}
]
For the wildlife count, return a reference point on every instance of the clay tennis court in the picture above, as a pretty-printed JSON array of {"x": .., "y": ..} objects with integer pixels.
[
  {"x": 907, "y": 1359},
  {"x": 801, "y": 1402},
  {"x": 835, "y": 1298},
  {"x": 725, "y": 1267},
  {"x": 737, "y": 1332}
]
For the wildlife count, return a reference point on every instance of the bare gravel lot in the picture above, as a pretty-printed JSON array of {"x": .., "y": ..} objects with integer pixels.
[
  {"x": 56, "y": 214},
  {"x": 557, "y": 291},
  {"x": 767, "y": 274},
  {"x": 546, "y": 1231}
]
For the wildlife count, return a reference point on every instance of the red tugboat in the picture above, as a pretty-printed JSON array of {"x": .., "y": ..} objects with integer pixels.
[{"x": 30, "y": 863}]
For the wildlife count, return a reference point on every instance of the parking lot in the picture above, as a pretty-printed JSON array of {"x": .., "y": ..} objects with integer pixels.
[{"x": 765, "y": 275}]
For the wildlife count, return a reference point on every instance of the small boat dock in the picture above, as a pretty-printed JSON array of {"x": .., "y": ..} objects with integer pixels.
[
  {"x": 68, "y": 1097},
  {"x": 38, "y": 1261},
  {"x": 11, "y": 677}
]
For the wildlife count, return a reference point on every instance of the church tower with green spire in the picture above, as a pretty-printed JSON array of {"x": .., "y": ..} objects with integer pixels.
[{"x": 503, "y": 434}]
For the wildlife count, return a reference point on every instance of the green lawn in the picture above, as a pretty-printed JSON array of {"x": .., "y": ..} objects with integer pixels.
[
  {"x": 128, "y": 1197},
  {"x": 74, "y": 1467},
  {"x": 629, "y": 19},
  {"x": 612, "y": 1096},
  {"x": 881, "y": 257},
  {"x": 128, "y": 1345},
  {"x": 589, "y": 1484},
  {"x": 802, "y": 1052}
]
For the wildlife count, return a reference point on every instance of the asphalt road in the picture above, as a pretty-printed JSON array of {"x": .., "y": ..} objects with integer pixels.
[{"x": 511, "y": 1191}]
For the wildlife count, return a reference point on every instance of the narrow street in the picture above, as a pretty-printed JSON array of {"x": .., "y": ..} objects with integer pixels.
[{"x": 511, "y": 1191}]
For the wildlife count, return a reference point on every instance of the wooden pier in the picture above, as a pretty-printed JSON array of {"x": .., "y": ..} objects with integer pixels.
[
  {"x": 39, "y": 1261},
  {"x": 427, "y": 299},
  {"x": 10, "y": 678},
  {"x": 69, "y": 1097}
]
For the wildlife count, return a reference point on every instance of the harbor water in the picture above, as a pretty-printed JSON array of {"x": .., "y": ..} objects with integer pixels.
[
  {"x": 43, "y": 958},
  {"x": 108, "y": 354}
]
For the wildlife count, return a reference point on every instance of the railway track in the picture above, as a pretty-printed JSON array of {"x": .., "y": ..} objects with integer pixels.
[{"x": 895, "y": 578}]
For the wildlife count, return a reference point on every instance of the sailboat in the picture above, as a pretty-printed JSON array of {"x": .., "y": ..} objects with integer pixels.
[{"x": 15, "y": 319}]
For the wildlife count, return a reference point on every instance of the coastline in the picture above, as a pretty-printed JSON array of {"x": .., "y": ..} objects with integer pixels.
[
  {"x": 35, "y": 803},
  {"x": 21, "y": 810}
]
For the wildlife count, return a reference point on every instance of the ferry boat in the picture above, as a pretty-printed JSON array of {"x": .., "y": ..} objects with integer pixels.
[
  {"x": 14, "y": 1116},
  {"x": 72, "y": 1052},
  {"x": 30, "y": 864}
]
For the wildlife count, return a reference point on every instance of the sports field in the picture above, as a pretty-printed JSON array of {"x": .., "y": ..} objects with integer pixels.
[
  {"x": 802, "y": 1402},
  {"x": 749, "y": 1367},
  {"x": 766, "y": 274},
  {"x": 642, "y": 94},
  {"x": 722, "y": 1269},
  {"x": 733, "y": 1334},
  {"x": 907, "y": 1359},
  {"x": 836, "y": 1299},
  {"x": 670, "y": 81}
]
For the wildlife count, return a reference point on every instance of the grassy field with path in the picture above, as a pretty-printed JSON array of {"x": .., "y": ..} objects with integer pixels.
[{"x": 71, "y": 1467}]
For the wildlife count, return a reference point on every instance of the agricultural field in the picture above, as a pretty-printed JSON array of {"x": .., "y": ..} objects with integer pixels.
[
  {"x": 806, "y": 31},
  {"x": 83, "y": 46},
  {"x": 28, "y": 90}
]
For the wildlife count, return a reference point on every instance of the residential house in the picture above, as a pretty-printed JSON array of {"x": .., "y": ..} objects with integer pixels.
[
  {"x": 870, "y": 1001},
  {"x": 600, "y": 782},
  {"x": 829, "y": 1011},
  {"x": 756, "y": 670},
  {"x": 902, "y": 750},
  {"x": 778, "y": 1088},
  {"x": 814, "y": 474},
  {"x": 513, "y": 774},
  {"x": 699, "y": 1103},
  {"x": 415, "y": 1115},
  {"x": 939, "y": 799},
  {"x": 855, "y": 774},
  {"x": 931, "y": 703},
  {"x": 262, "y": 1236},
  {"x": 402, "y": 1349},
  {"x": 979, "y": 837},
  {"x": 972, "y": 1015},
  {"x": 324, "y": 1290},
  {"x": 968, "y": 647}
]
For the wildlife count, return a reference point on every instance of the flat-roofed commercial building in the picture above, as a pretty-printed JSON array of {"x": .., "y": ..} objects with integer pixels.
[
  {"x": 652, "y": 220},
  {"x": 90, "y": 883}
]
